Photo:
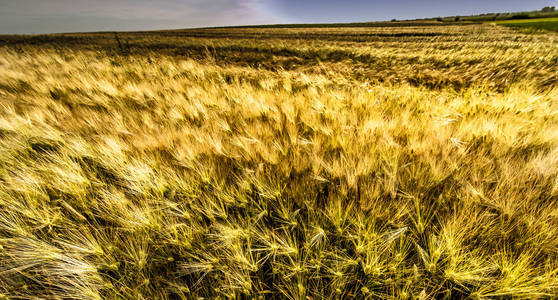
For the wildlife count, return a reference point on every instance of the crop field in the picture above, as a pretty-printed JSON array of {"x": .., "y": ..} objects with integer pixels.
[
  {"x": 550, "y": 24},
  {"x": 405, "y": 160}
]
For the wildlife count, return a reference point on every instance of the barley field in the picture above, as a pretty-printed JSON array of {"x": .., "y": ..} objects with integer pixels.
[{"x": 402, "y": 160}]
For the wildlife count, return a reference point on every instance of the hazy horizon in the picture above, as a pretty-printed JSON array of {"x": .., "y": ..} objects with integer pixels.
[{"x": 49, "y": 16}]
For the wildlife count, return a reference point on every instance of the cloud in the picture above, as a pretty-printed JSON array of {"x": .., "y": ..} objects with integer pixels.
[{"x": 25, "y": 16}]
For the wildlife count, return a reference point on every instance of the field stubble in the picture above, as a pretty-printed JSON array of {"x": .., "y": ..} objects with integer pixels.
[{"x": 404, "y": 162}]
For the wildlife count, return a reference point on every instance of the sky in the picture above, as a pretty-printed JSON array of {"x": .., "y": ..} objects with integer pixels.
[{"x": 48, "y": 16}]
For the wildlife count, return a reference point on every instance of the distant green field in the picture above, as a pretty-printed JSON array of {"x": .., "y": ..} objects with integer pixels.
[{"x": 535, "y": 24}]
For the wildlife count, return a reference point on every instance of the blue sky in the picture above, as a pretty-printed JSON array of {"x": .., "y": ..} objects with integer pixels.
[
  {"x": 43, "y": 16},
  {"x": 365, "y": 10}
]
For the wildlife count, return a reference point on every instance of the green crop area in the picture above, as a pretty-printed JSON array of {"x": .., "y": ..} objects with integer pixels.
[
  {"x": 398, "y": 160},
  {"x": 550, "y": 24}
]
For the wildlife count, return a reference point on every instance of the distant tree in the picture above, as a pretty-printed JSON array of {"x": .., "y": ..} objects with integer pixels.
[
  {"x": 548, "y": 9},
  {"x": 394, "y": 20},
  {"x": 457, "y": 19},
  {"x": 521, "y": 16},
  {"x": 495, "y": 17},
  {"x": 439, "y": 19}
]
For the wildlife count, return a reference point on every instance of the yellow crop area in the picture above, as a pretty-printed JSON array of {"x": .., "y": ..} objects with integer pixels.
[{"x": 417, "y": 161}]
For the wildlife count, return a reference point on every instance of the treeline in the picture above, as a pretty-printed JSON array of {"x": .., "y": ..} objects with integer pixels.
[{"x": 546, "y": 12}]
